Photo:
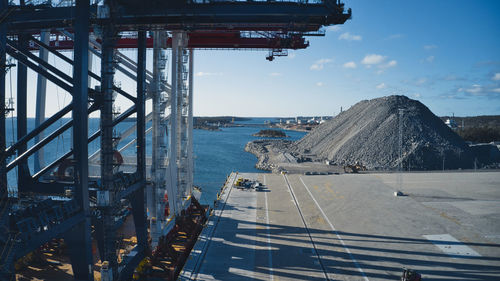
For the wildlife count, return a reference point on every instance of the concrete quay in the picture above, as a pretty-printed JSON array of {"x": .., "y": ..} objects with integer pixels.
[{"x": 353, "y": 227}]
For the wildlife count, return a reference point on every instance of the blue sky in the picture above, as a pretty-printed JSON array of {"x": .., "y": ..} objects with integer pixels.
[{"x": 444, "y": 53}]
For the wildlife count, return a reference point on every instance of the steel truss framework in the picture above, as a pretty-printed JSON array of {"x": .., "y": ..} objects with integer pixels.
[{"x": 115, "y": 24}]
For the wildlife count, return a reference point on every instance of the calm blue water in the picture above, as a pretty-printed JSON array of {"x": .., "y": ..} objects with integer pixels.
[{"x": 217, "y": 153}]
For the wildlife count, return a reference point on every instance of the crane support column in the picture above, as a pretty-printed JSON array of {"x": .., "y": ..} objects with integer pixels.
[
  {"x": 183, "y": 120},
  {"x": 137, "y": 201},
  {"x": 7, "y": 270},
  {"x": 190, "y": 124},
  {"x": 79, "y": 238},
  {"x": 156, "y": 200},
  {"x": 3, "y": 111},
  {"x": 178, "y": 87},
  {"x": 106, "y": 195}
]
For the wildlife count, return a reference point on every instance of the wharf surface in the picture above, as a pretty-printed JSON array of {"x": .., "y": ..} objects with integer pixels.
[{"x": 353, "y": 227}]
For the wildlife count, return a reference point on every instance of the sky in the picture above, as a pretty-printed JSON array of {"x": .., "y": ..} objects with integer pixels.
[{"x": 444, "y": 53}]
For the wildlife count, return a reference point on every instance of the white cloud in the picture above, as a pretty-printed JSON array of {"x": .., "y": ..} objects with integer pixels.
[
  {"x": 477, "y": 90},
  {"x": 430, "y": 59},
  {"x": 334, "y": 28},
  {"x": 324, "y": 61},
  {"x": 384, "y": 66},
  {"x": 350, "y": 37},
  {"x": 392, "y": 63},
  {"x": 381, "y": 86},
  {"x": 430, "y": 47},
  {"x": 417, "y": 95},
  {"x": 319, "y": 64},
  {"x": 349, "y": 64},
  {"x": 378, "y": 61},
  {"x": 373, "y": 59},
  {"x": 496, "y": 77},
  {"x": 320, "y": 84},
  {"x": 275, "y": 74},
  {"x": 474, "y": 90},
  {"x": 201, "y": 73}
]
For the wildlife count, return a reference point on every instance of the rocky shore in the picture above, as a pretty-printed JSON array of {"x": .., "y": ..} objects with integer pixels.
[
  {"x": 206, "y": 127},
  {"x": 269, "y": 153}
]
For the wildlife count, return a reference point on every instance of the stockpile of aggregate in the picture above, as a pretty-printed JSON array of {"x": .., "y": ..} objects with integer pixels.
[{"x": 369, "y": 133}]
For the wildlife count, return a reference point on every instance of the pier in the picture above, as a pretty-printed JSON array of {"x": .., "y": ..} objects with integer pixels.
[{"x": 352, "y": 227}]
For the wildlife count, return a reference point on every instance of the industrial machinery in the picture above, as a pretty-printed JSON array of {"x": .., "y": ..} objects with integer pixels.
[
  {"x": 354, "y": 168},
  {"x": 83, "y": 198}
]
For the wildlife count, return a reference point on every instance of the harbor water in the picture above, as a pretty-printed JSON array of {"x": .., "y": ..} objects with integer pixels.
[{"x": 216, "y": 153}]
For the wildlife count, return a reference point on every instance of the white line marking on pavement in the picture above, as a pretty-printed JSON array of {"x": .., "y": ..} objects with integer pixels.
[
  {"x": 305, "y": 227},
  {"x": 270, "y": 255},
  {"x": 451, "y": 246},
  {"x": 334, "y": 230}
]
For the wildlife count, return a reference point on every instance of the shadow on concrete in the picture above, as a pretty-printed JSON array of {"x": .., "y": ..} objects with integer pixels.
[{"x": 238, "y": 255}]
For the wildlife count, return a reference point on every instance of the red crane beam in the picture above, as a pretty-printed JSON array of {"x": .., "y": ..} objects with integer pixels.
[{"x": 208, "y": 40}]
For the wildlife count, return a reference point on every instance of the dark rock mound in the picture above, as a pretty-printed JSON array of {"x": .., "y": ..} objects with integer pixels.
[{"x": 270, "y": 134}]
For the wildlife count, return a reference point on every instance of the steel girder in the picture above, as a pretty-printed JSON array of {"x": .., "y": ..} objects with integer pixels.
[
  {"x": 250, "y": 15},
  {"x": 41, "y": 97},
  {"x": 21, "y": 110},
  {"x": 24, "y": 55},
  {"x": 207, "y": 40},
  {"x": 24, "y": 155},
  {"x": 91, "y": 138}
]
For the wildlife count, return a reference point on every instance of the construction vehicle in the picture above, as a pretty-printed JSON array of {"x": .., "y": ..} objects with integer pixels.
[
  {"x": 410, "y": 275},
  {"x": 247, "y": 183},
  {"x": 354, "y": 169}
]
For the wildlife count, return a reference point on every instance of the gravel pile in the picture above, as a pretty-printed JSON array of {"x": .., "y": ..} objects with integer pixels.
[{"x": 369, "y": 133}]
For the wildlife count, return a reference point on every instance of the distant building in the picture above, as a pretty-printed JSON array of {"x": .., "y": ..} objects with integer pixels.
[
  {"x": 312, "y": 121},
  {"x": 451, "y": 123}
]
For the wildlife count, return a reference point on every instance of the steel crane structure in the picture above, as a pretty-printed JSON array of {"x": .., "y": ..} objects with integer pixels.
[{"x": 85, "y": 207}]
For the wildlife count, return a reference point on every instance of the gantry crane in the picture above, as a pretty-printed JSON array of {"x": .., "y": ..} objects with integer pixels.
[{"x": 87, "y": 207}]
